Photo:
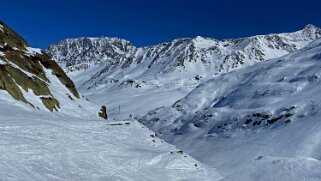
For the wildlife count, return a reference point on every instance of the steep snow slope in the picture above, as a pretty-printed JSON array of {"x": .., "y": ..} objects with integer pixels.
[
  {"x": 257, "y": 123},
  {"x": 114, "y": 66},
  {"x": 39, "y": 145}
]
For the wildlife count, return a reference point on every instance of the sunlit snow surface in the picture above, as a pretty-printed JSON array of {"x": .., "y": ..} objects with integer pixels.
[{"x": 38, "y": 145}]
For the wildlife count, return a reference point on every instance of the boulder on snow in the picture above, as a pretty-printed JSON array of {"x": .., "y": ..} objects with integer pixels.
[{"x": 103, "y": 112}]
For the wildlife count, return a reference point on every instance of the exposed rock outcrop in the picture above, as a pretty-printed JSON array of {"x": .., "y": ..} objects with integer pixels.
[{"x": 25, "y": 70}]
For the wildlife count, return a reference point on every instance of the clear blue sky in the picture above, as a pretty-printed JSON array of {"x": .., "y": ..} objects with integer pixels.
[{"x": 147, "y": 22}]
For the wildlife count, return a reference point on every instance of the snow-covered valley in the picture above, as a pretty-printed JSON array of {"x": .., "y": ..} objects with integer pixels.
[
  {"x": 254, "y": 122},
  {"x": 191, "y": 109}
]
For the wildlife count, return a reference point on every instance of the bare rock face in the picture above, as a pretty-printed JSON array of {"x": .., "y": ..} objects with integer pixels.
[
  {"x": 26, "y": 70},
  {"x": 103, "y": 112}
]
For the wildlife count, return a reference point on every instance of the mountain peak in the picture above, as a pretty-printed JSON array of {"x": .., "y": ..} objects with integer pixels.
[
  {"x": 311, "y": 31},
  {"x": 310, "y": 26}
]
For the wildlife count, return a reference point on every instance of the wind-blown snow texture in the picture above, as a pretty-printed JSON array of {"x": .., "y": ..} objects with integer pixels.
[
  {"x": 101, "y": 66},
  {"x": 257, "y": 123}
]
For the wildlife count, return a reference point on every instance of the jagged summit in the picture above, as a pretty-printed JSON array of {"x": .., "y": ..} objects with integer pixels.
[
  {"x": 310, "y": 26},
  {"x": 80, "y": 52}
]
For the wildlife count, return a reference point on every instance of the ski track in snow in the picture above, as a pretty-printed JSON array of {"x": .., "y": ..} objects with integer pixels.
[{"x": 64, "y": 148}]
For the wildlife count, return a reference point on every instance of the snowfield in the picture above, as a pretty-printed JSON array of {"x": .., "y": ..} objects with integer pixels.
[
  {"x": 134, "y": 102},
  {"x": 38, "y": 145},
  {"x": 256, "y": 123}
]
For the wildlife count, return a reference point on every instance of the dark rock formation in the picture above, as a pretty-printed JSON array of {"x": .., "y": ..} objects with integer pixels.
[
  {"x": 24, "y": 69},
  {"x": 103, "y": 112}
]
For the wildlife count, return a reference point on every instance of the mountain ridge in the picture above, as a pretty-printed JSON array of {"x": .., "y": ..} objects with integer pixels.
[
  {"x": 148, "y": 74},
  {"x": 141, "y": 64}
]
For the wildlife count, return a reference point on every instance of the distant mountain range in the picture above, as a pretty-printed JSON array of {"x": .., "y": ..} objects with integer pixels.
[{"x": 112, "y": 62}]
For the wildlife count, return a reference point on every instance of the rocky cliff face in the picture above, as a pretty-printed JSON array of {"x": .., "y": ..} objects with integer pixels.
[
  {"x": 113, "y": 61},
  {"x": 79, "y": 54},
  {"x": 28, "y": 74}
]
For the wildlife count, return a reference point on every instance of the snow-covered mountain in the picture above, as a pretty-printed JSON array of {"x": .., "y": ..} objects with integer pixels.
[
  {"x": 115, "y": 73},
  {"x": 258, "y": 123},
  {"x": 106, "y": 62}
]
